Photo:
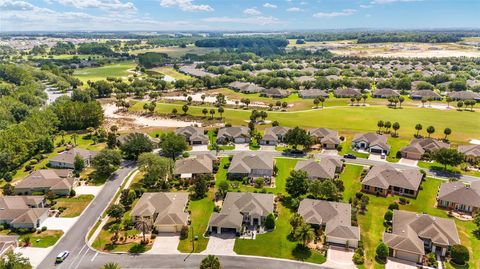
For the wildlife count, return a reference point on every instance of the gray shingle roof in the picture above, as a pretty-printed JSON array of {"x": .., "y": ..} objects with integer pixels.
[
  {"x": 422, "y": 145},
  {"x": 169, "y": 207},
  {"x": 200, "y": 164},
  {"x": 470, "y": 150},
  {"x": 385, "y": 175},
  {"x": 245, "y": 162},
  {"x": 459, "y": 193},
  {"x": 373, "y": 139},
  {"x": 69, "y": 155}
]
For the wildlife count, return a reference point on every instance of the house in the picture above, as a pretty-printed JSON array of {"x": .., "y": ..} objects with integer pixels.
[
  {"x": 241, "y": 208},
  {"x": 193, "y": 135},
  {"x": 471, "y": 152},
  {"x": 7, "y": 243},
  {"x": 312, "y": 94},
  {"x": 371, "y": 142},
  {"x": 419, "y": 146},
  {"x": 23, "y": 211},
  {"x": 252, "y": 165},
  {"x": 236, "y": 134},
  {"x": 192, "y": 70},
  {"x": 274, "y": 135},
  {"x": 245, "y": 87},
  {"x": 327, "y": 138},
  {"x": 194, "y": 166},
  {"x": 425, "y": 94},
  {"x": 66, "y": 159},
  {"x": 385, "y": 93},
  {"x": 384, "y": 179},
  {"x": 459, "y": 196},
  {"x": 123, "y": 138},
  {"x": 59, "y": 181},
  {"x": 335, "y": 218},
  {"x": 414, "y": 234},
  {"x": 275, "y": 93},
  {"x": 325, "y": 169},
  {"x": 464, "y": 95},
  {"x": 166, "y": 210},
  {"x": 346, "y": 92}
]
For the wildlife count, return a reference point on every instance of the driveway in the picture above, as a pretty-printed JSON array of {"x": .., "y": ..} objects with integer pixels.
[
  {"x": 35, "y": 255},
  {"x": 409, "y": 162},
  {"x": 199, "y": 147},
  {"x": 330, "y": 152},
  {"x": 165, "y": 243},
  {"x": 267, "y": 148},
  {"x": 376, "y": 157},
  {"x": 63, "y": 224},
  {"x": 243, "y": 146},
  {"x": 85, "y": 189},
  {"x": 221, "y": 244},
  {"x": 393, "y": 263},
  {"x": 338, "y": 257}
]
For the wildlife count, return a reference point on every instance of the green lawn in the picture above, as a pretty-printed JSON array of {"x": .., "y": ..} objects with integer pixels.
[
  {"x": 169, "y": 71},
  {"x": 456, "y": 170},
  {"x": 74, "y": 206},
  {"x": 43, "y": 239},
  {"x": 99, "y": 73},
  {"x": 355, "y": 119},
  {"x": 200, "y": 215},
  {"x": 395, "y": 145},
  {"x": 277, "y": 243},
  {"x": 351, "y": 180}
]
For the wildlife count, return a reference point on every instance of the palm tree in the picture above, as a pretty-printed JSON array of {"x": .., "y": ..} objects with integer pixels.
[
  {"x": 387, "y": 126},
  {"x": 322, "y": 100},
  {"x": 448, "y": 99},
  {"x": 143, "y": 225},
  {"x": 380, "y": 125},
  {"x": 395, "y": 127},
  {"x": 220, "y": 111},
  {"x": 212, "y": 112},
  {"x": 204, "y": 112},
  {"x": 352, "y": 100},
  {"x": 203, "y": 98},
  {"x": 447, "y": 132},
  {"x": 316, "y": 101},
  {"x": 430, "y": 130},
  {"x": 174, "y": 111},
  {"x": 364, "y": 97},
  {"x": 110, "y": 265},
  {"x": 423, "y": 102},
  {"x": 74, "y": 138},
  {"x": 115, "y": 228},
  {"x": 400, "y": 100},
  {"x": 418, "y": 127},
  {"x": 304, "y": 233},
  {"x": 295, "y": 221}
]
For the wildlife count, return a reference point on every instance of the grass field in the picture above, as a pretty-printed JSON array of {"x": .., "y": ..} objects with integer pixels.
[
  {"x": 176, "y": 52},
  {"x": 99, "y": 73},
  {"x": 201, "y": 211},
  {"x": 170, "y": 72},
  {"x": 43, "y": 239},
  {"x": 351, "y": 180},
  {"x": 74, "y": 205},
  {"x": 464, "y": 125}
]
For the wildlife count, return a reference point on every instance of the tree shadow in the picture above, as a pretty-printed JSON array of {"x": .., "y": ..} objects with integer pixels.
[{"x": 301, "y": 252}]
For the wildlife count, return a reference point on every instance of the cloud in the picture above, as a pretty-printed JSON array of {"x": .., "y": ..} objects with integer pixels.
[
  {"x": 100, "y": 4},
  {"x": 294, "y": 9},
  {"x": 269, "y": 5},
  {"x": 344, "y": 12},
  {"x": 252, "y": 11},
  {"x": 16, "y": 6},
  {"x": 259, "y": 20},
  {"x": 366, "y": 6},
  {"x": 185, "y": 5},
  {"x": 381, "y": 2}
]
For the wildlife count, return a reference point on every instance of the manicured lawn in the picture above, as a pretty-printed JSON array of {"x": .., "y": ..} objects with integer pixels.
[
  {"x": 200, "y": 215},
  {"x": 45, "y": 239},
  {"x": 355, "y": 119},
  {"x": 74, "y": 206},
  {"x": 277, "y": 243},
  {"x": 351, "y": 180},
  {"x": 171, "y": 72},
  {"x": 456, "y": 170},
  {"x": 395, "y": 145},
  {"x": 99, "y": 73}
]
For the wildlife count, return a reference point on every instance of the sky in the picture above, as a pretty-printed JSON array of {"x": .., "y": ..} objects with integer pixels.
[{"x": 235, "y": 15}]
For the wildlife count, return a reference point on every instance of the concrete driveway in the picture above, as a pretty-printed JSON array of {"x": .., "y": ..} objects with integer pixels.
[
  {"x": 165, "y": 243},
  {"x": 221, "y": 244},
  {"x": 338, "y": 257},
  {"x": 267, "y": 148},
  {"x": 243, "y": 146},
  {"x": 409, "y": 162},
  {"x": 377, "y": 157},
  {"x": 330, "y": 152},
  {"x": 83, "y": 190},
  {"x": 199, "y": 147},
  {"x": 63, "y": 224},
  {"x": 35, "y": 255},
  {"x": 393, "y": 263}
]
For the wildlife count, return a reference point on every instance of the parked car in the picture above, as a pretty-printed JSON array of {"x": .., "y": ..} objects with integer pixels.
[
  {"x": 62, "y": 256},
  {"x": 383, "y": 156},
  {"x": 349, "y": 156}
]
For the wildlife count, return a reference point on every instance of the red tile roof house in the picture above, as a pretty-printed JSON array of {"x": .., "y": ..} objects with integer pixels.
[
  {"x": 384, "y": 179},
  {"x": 59, "y": 181},
  {"x": 419, "y": 146},
  {"x": 371, "y": 142},
  {"x": 459, "y": 197},
  {"x": 414, "y": 234}
]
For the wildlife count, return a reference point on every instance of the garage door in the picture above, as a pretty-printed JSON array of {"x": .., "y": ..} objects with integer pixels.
[
  {"x": 166, "y": 229},
  {"x": 334, "y": 240},
  {"x": 228, "y": 230},
  {"x": 407, "y": 256},
  {"x": 196, "y": 142},
  {"x": 374, "y": 150}
]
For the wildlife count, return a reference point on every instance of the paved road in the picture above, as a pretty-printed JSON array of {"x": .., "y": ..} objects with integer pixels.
[{"x": 74, "y": 239}]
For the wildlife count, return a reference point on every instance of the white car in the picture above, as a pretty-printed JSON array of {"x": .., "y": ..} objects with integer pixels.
[{"x": 62, "y": 256}]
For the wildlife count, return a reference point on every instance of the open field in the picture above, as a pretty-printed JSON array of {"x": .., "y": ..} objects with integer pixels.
[
  {"x": 74, "y": 206},
  {"x": 99, "y": 73},
  {"x": 68, "y": 56},
  {"x": 403, "y": 49},
  {"x": 176, "y": 52},
  {"x": 170, "y": 72},
  {"x": 465, "y": 125}
]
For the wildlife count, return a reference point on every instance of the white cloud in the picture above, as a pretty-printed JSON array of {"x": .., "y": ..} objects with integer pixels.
[
  {"x": 185, "y": 5},
  {"x": 269, "y": 5},
  {"x": 344, "y": 12},
  {"x": 252, "y": 11},
  {"x": 100, "y": 4},
  {"x": 381, "y": 2},
  {"x": 366, "y": 6},
  {"x": 294, "y": 9},
  {"x": 259, "y": 20}
]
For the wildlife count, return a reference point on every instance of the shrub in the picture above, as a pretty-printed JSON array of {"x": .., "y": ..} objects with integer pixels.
[
  {"x": 8, "y": 177},
  {"x": 137, "y": 248},
  {"x": 185, "y": 154},
  {"x": 270, "y": 222},
  {"x": 357, "y": 259},
  {"x": 259, "y": 182},
  {"x": 44, "y": 228},
  {"x": 393, "y": 206},
  {"x": 184, "y": 232},
  {"x": 403, "y": 200},
  {"x": 153, "y": 236},
  {"x": 388, "y": 216},
  {"x": 432, "y": 260},
  {"x": 459, "y": 254},
  {"x": 382, "y": 252},
  {"x": 72, "y": 193}
]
